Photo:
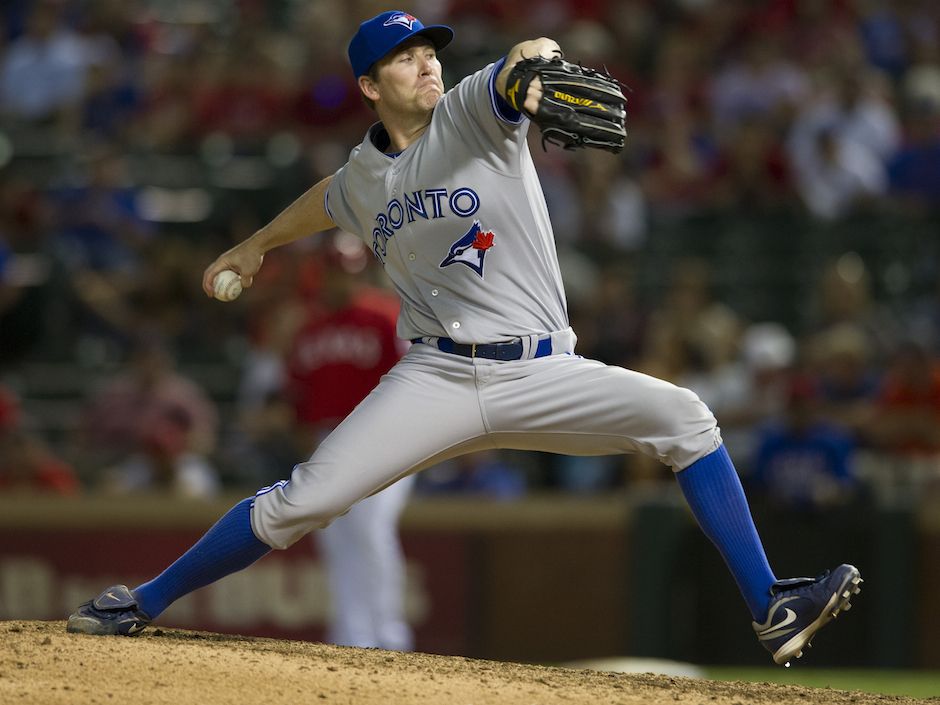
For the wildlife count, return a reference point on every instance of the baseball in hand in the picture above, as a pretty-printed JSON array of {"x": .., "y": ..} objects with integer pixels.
[{"x": 227, "y": 285}]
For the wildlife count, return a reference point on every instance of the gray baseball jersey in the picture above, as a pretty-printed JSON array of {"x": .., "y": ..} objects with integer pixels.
[{"x": 460, "y": 223}]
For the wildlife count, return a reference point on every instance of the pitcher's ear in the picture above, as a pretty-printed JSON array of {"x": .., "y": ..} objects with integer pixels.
[{"x": 368, "y": 87}]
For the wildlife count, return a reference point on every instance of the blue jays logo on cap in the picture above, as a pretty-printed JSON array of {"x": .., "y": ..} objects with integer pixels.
[
  {"x": 402, "y": 18},
  {"x": 378, "y": 36},
  {"x": 471, "y": 249}
]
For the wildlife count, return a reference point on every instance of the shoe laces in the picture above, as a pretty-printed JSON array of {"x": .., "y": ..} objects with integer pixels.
[{"x": 789, "y": 585}]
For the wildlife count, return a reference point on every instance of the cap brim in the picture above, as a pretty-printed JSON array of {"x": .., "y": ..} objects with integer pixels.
[{"x": 439, "y": 34}]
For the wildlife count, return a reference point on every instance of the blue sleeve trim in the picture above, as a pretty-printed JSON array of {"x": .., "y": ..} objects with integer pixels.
[{"x": 501, "y": 107}]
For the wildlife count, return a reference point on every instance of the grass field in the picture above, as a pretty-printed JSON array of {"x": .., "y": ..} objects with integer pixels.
[{"x": 918, "y": 684}]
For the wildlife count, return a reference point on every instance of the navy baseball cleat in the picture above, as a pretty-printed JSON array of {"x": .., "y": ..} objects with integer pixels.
[
  {"x": 799, "y": 608},
  {"x": 114, "y": 611}
]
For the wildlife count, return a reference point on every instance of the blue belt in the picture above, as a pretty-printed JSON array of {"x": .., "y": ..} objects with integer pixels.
[{"x": 489, "y": 351}]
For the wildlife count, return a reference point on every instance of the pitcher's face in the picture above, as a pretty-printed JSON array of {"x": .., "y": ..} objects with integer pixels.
[{"x": 409, "y": 79}]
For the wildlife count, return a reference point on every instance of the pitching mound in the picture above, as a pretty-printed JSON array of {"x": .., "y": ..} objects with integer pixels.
[{"x": 40, "y": 663}]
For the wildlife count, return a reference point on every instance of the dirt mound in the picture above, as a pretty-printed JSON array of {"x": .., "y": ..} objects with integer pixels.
[{"x": 40, "y": 663}]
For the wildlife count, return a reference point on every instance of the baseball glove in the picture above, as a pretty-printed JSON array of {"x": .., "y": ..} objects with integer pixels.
[{"x": 580, "y": 107}]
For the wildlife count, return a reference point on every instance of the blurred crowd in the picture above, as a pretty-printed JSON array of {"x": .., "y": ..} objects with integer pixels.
[{"x": 139, "y": 138}]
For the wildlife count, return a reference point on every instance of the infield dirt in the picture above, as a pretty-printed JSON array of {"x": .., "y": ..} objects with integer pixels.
[{"x": 41, "y": 664}]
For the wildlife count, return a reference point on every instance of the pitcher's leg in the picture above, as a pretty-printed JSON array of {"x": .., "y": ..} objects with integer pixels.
[
  {"x": 576, "y": 406},
  {"x": 597, "y": 408},
  {"x": 713, "y": 490},
  {"x": 230, "y": 545},
  {"x": 424, "y": 410}
]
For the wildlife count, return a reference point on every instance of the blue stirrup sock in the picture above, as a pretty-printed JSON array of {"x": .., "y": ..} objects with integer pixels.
[
  {"x": 227, "y": 547},
  {"x": 713, "y": 491}
]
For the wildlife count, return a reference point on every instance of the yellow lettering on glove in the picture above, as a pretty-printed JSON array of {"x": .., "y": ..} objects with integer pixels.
[{"x": 586, "y": 102}]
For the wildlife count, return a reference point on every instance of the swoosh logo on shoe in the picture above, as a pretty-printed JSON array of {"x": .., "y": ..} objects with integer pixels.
[
  {"x": 135, "y": 628},
  {"x": 778, "y": 629},
  {"x": 111, "y": 595}
]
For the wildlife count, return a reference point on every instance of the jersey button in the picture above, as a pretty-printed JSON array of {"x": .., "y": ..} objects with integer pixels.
[
  {"x": 434, "y": 292},
  {"x": 455, "y": 324},
  {"x": 412, "y": 256}
]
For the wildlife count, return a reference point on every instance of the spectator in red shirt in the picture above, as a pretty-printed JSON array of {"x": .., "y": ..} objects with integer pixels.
[{"x": 342, "y": 350}]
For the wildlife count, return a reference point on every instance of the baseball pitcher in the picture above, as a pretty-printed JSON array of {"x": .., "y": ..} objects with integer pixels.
[{"x": 444, "y": 193}]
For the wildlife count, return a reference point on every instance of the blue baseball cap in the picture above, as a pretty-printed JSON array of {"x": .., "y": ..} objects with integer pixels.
[{"x": 378, "y": 36}]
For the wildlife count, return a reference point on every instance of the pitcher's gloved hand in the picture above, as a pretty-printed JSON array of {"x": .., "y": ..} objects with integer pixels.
[{"x": 580, "y": 106}]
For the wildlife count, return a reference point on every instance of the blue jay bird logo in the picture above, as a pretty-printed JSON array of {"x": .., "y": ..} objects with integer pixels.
[
  {"x": 402, "y": 18},
  {"x": 471, "y": 249}
]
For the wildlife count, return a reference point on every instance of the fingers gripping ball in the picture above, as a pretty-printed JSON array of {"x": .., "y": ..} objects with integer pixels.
[
  {"x": 580, "y": 106},
  {"x": 227, "y": 285}
]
